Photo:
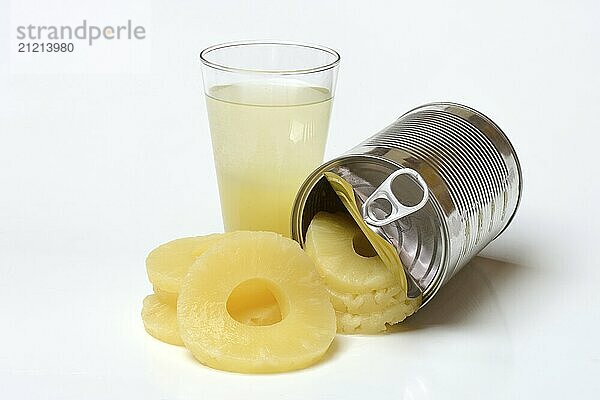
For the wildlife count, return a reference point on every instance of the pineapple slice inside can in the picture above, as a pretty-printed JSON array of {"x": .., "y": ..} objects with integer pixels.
[
  {"x": 330, "y": 242},
  {"x": 211, "y": 314},
  {"x": 366, "y": 296},
  {"x": 384, "y": 249}
]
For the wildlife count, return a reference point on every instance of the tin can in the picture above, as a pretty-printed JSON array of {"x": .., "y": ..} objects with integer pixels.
[{"x": 439, "y": 183}]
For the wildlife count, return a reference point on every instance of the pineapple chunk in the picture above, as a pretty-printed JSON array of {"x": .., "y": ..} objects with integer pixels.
[
  {"x": 168, "y": 263},
  {"x": 375, "y": 322},
  {"x": 334, "y": 241},
  {"x": 160, "y": 320},
  {"x": 209, "y": 304},
  {"x": 366, "y": 303}
]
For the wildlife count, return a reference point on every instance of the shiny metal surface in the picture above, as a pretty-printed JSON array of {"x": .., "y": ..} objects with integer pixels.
[
  {"x": 384, "y": 192},
  {"x": 474, "y": 181}
]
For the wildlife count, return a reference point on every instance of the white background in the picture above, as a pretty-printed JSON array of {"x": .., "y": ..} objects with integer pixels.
[{"x": 97, "y": 167}]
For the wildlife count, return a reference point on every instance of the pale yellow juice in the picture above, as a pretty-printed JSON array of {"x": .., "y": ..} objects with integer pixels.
[{"x": 266, "y": 139}]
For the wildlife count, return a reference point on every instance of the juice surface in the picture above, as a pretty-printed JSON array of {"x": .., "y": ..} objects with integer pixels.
[{"x": 266, "y": 139}]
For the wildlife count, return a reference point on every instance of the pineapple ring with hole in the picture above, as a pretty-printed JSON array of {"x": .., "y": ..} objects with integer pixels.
[
  {"x": 168, "y": 263},
  {"x": 160, "y": 320},
  {"x": 210, "y": 301},
  {"x": 263, "y": 310},
  {"x": 376, "y": 322},
  {"x": 366, "y": 303},
  {"x": 334, "y": 242}
]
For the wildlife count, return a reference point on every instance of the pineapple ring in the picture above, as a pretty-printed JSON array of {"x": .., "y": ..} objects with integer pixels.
[
  {"x": 260, "y": 310},
  {"x": 331, "y": 241},
  {"x": 160, "y": 320},
  {"x": 376, "y": 322},
  {"x": 215, "y": 338},
  {"x": 366, "y": 303},
  {"x": 168, "y": 263}
]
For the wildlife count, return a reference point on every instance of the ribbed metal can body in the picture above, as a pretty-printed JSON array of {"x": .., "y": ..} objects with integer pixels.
[{"x": 473, "y": 179}]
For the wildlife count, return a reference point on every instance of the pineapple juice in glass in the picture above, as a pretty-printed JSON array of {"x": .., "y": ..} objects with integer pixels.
[{"x": 268, "y": 109}]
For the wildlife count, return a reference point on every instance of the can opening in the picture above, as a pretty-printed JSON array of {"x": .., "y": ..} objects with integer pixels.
[
  {"x": 321, "y": 197},
  {"x": 419, "y": 238}
]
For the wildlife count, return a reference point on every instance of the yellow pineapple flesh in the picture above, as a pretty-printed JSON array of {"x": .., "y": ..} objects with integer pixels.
[
  {"x": 375, "y": 322},
  {"x": 168, "y": 263},
  {"x": 166, "y": 297},
  {"x": 366, "y": 296},
  {"x": 330, "y": 243},
  {"x": 160, "y": 320},
  {"x": 212, "y": 307},
  {"x": 366, "y": 303}
]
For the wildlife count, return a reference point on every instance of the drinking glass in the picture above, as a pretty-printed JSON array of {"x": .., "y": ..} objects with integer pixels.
[{"x": 268, "y": 109}]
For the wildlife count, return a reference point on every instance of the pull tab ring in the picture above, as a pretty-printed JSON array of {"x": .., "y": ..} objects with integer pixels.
[{"x": 384, "y": 191}]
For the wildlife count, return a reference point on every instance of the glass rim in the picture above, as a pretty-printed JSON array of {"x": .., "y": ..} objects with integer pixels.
[{"x": 222, "y": 67}]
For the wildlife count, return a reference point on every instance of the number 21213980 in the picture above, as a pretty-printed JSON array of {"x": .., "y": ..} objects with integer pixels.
[{"x": 45, "y": 47}]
